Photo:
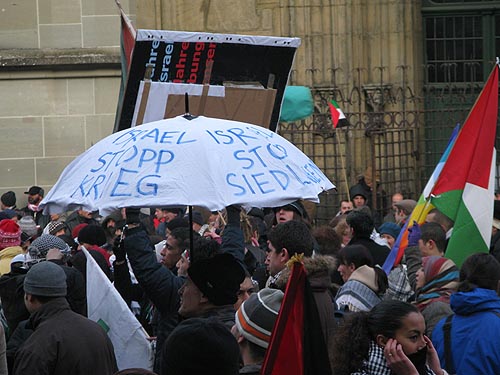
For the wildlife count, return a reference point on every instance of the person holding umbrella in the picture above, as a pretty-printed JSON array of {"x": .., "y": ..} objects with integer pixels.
[{"x": 159, "y": 283}]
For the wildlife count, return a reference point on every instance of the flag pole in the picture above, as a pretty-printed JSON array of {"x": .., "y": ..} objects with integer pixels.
[{"x": 342, "y": 164}]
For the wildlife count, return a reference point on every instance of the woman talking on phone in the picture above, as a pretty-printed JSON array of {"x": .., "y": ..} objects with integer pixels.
[{"x": 388, "y": 340}]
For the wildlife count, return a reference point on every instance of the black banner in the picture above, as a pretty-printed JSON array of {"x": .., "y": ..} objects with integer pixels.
[{"x": 185, "y": 57}]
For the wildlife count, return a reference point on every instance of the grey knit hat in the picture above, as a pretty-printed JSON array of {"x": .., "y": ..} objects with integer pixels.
[
  {"x": 45, "y": 279},
  {"x": 28, "y": 225}
]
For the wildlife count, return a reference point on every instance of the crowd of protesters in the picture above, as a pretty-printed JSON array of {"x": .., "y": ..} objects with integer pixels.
[{"x": 208, "y": 286}]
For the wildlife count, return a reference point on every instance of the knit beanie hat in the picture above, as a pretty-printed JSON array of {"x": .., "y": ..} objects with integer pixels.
[
  {"x": 198, "y": 218},
  {"x": 200, "y": 346},
  {"x": 392, "y": 229},
  {"x": 92, "y": 234},
  {"x": 8, "y": 199},
  {"x": 10, "y": 234},
  {"x": 55, "y": 226},
  {"x": 28, "y": 225},
  {"x": 39, "y": 248},
  {"x": 45, "y": 279},
  {"x": 218, "y": 278},
  {"x": 295, "y": 206},
  {"x": 256, "y": 316}
]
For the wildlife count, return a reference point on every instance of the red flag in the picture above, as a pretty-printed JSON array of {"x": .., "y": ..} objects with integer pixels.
[
  {"x": 297, "y": 345},
  {"x": 127, "y": 42},
  {"x": 128, "y": 34}
]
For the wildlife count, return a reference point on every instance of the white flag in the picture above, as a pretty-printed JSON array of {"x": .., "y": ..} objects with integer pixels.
[{"x": 106, "y": 307}]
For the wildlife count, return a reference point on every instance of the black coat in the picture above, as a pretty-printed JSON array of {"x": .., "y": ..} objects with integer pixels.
[
  {"x": 64, "y": 342},
  {"x": 378, "y": 252}
]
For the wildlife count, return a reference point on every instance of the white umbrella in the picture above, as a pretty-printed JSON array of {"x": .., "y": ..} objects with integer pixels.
[{"x": 204, "y": 161}]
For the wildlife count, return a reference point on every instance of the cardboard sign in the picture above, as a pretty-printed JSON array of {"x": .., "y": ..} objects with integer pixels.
[
  {"x": 205, "y": 58},
  {"x": 158, "y": 100}
]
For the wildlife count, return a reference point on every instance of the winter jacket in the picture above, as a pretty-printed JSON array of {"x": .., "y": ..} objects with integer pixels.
[
  {"x": 6, "y": 256},
  {"x": 64, "y": 342},
  {"x": 159, "y": 283},
  {"x": 475, "y": 333},
  {"x": 12, "y": 294}
]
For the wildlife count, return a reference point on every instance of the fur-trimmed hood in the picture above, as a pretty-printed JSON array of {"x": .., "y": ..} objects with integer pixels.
[{"x": 318, "y": 270}]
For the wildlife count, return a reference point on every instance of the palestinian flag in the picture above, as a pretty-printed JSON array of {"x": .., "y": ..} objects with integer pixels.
[
  {"x": 464, "y": 190},
  {"x": 338, "y": 118},
  {"x": 297, "y": 345}
]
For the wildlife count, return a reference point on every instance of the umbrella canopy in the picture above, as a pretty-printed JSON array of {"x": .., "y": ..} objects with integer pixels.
[{"x": 202, "y": 161}]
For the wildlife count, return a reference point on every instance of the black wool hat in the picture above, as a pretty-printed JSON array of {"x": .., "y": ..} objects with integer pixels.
[
  {"x": 200, "y": 346},
  {"x": 218, "y": 278},
  {"x": 295, "y": 206},
  {"x": 8, "y": 199},
  {"x": 92, "y": 234}
]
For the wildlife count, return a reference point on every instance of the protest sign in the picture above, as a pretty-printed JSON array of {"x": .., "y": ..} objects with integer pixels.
[{"x": 207, "y": 58}]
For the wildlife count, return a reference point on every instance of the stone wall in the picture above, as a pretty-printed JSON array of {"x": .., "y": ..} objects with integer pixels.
[{"x": 60, "y": 79}]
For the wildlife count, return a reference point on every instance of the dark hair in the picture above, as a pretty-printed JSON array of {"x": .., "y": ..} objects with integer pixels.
[
  {"x": 203, "y": 247},
  {"x": 200, "y": 346},
  {"x": 361, "y": 222},
  {"x": 293, "y": 235},
  {"x": 257, "y": 352},
  {"x": 441, "y": 219},
  {"x": 181, "y": 235},
  {"x": 434, "y": 231},
  {"x": 359, "y": 255},
  {"x": 352, "y": 341},
  {"x": 479, "y": 270},
  {"x": 327, "y": 239}
]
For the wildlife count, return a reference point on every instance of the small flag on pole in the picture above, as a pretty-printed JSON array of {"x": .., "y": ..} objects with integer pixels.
[{"x": 338, "y": 118}]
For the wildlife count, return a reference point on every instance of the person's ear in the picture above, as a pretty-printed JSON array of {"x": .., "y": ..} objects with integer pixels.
[
  {"x": 351, "y": 267},
  {"x": 285, "y": 256},
  {"x": 381, "y": 340}
]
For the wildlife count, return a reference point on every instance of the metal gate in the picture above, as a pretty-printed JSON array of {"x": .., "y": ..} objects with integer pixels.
[{"x": 401, "y": 144}]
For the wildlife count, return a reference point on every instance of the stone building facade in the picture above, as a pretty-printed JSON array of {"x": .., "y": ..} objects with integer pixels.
[{"x": 380, "y": 59}]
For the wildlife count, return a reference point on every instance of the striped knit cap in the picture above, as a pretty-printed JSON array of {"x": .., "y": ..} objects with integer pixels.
[
  {"x": 256, "y": 316},
  {"x": 10, "y": 234}
]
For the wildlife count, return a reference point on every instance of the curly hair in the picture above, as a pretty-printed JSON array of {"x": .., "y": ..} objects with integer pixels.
[
  {"x": 352, "y": 340},
  {"x": 293, "y": 235}
]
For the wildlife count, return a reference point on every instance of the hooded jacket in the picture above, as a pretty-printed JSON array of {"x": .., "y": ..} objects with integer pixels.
[{"x": 475, "y": 333}]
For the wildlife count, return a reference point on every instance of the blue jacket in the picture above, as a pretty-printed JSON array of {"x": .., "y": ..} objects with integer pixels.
[{"x": 475, "y": 333}]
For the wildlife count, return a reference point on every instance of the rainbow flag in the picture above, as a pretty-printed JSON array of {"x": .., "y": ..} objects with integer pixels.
[{"x": 421, "y": 210}]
